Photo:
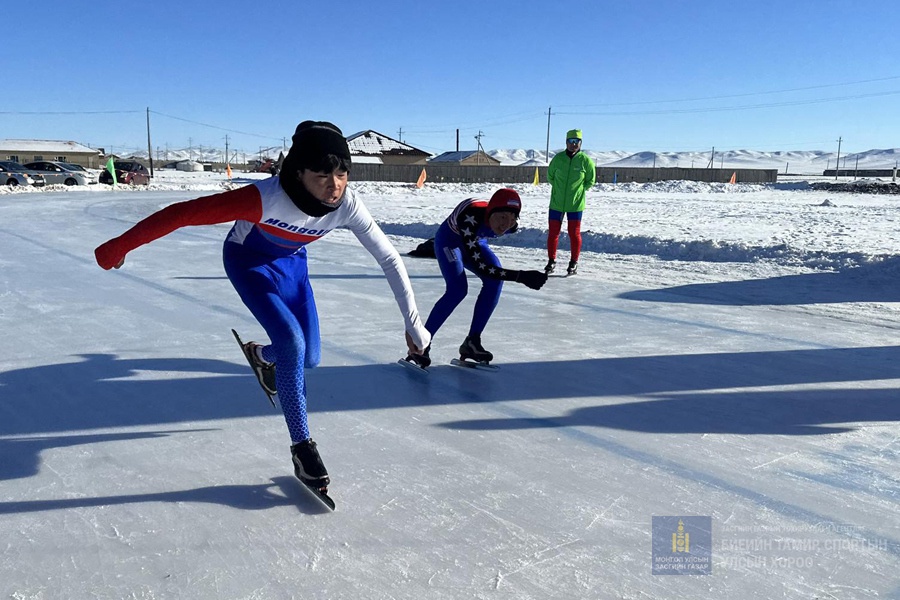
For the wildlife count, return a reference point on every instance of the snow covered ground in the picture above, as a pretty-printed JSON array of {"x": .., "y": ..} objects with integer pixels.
[{"x": 727, "y": 355}]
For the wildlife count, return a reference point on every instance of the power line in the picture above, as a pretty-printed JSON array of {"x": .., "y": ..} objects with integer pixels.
[
  {"x": 268, "y": 137},
  {"x": 744, "y": 95},
  {"x": 490, "y": 122},
  {"x": 68, "y": 112},
  {"x": 673, "y": 111}
]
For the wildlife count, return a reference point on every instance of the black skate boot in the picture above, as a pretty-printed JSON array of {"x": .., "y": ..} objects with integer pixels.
[
  {"x": 551, "y": 266},
  {"x": 473, "y": 350},
  {"x": 573, "y": 268},
  {"x": 264, "y": 371},
  {"x": 308, "y": 465},
  {"x": 423, "y": 361}
]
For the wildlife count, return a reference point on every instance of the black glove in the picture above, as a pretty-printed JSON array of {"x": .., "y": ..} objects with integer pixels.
[{"x": 533, "y": 279}]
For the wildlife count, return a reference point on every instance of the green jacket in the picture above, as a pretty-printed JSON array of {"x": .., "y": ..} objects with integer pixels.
[{"x": 570, "y": 179}]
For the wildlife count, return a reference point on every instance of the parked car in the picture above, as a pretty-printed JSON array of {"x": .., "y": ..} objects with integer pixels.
[
  {"x": 13, "y": 174},
  {"x": 127, "y": 171},
  {"x": 94, "y": 174},
  {"x": 60, "y": 172}
]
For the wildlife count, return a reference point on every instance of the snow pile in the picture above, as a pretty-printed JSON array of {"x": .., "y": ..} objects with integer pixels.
[{"x": 781, "y": 224}]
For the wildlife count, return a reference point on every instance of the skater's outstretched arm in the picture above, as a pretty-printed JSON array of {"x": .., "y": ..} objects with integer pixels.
[
  {"x": 379, "y": 246},
  {"x": 243, "y": 203},
  {"x": 473, "y": 245}
]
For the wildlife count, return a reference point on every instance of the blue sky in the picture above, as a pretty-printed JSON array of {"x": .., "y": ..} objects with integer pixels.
[{"x": 634, "y": 76}]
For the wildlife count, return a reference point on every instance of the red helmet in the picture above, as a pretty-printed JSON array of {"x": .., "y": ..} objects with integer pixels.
[{"x": 505, "y": 199}]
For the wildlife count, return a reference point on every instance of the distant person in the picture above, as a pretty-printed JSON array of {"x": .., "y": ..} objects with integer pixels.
[
  {"x": 265, "y": 260},
  {"x": 460, "y": 244},
  {"x": 570, "y": 175}
]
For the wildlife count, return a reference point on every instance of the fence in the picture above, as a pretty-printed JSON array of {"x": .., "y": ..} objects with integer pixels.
[
  {"x": 892, "y": 173},
  {"x": 511, "y": 174}
]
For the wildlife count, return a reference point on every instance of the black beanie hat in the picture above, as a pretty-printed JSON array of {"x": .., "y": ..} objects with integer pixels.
[
  {"x": 316, "y": 146},
  {"x": 311, "y": 144}
]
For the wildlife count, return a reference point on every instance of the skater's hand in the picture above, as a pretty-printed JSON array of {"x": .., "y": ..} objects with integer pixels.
[
  {"x": 533, "y": 279},
  {"x": 108, "y": 256},
  {"x": 412, "y": 346}
]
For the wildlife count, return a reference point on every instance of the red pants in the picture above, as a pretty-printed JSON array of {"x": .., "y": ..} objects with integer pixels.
[{"x": 574, "y": 228}]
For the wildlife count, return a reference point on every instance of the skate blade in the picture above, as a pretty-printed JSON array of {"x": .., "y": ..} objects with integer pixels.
[
  {"x": 411, "y": 365},
  {"x": 321, "y": 493},
  {"x": 471, "y": 364}
]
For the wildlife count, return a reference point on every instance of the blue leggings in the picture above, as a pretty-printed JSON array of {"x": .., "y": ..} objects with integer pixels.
[
  {"x": 277, "y": 292},
  {"x": 450, "y": 259}
]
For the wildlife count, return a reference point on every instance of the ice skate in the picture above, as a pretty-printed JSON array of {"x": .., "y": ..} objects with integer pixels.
[
  {"x": 551, "y": 266},
  {"x": 423, "y": 361},
  {"x": 264, "y": 371},
  {"x": 472, "y": 349},
  {"x": 473, "y": 356},
  {"x": 308, "y": 466},
  {"x": 573, "y": 268}
]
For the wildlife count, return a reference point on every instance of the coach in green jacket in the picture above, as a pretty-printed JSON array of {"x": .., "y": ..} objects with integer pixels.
[{"x": 570, "y": 174}]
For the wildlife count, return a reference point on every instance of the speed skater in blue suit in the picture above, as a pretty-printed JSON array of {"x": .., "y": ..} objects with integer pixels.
[{"x": 461, "y": 244}]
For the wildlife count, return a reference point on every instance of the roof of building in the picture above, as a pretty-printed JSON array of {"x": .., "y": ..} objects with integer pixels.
[
  {"x": 46, "y": 146},
  {"x": 462, "y": 155},
  {"x": 372, "y": 143}
]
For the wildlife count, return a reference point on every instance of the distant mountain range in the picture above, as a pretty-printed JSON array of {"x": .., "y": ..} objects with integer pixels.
[{"x": 800, "y": 162}]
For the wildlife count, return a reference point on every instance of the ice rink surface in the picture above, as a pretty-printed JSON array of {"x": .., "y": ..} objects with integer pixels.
[{"x": 751, "y": 393}]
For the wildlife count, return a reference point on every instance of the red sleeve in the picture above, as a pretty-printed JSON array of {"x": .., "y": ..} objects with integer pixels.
[{"x": 241, "y": 204}]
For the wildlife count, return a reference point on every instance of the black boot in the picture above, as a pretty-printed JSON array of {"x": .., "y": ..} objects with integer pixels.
[
  {"x": 423, "y": 360},
  {"x": 264, "y": 371},
  {"x": 308, "y": 466},
  {"x": 573, "y": 268},
  {"x": 472, "y": 349},
  {"x": 551, "y": 266}
]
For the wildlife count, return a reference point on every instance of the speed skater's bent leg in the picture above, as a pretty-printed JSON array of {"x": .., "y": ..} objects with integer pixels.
[
  {"x": 450, "y": 262},
  {"x": 308, "y": 317},
  {"x": 489, "y": 295},
  {"x": 289, "y": 350},
  {"x": 261, "y": 287}
]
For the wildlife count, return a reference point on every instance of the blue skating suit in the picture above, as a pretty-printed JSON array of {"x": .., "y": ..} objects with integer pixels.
[{"x": 461, "y": 243}]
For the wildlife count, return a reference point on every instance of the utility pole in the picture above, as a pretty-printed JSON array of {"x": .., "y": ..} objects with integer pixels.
[
  {"x": 400, "y": 135},
  {"x": 712, "y": 157},
  {"x": 547, "y": 153},
  {"x": 480, "y": 150},
  {"x": 837, "y": 166},
  {"x": 149, "y": 146},
  {"x": 226, "y": 149}
]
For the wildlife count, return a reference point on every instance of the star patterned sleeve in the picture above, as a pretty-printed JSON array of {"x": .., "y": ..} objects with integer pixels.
[{"x": 468, "y": 224}]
